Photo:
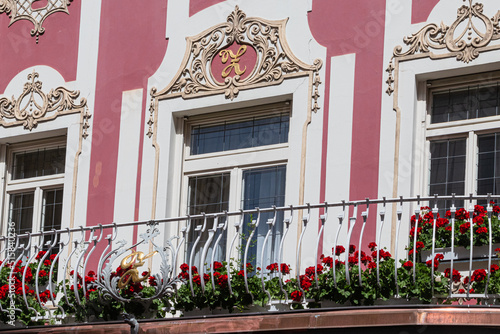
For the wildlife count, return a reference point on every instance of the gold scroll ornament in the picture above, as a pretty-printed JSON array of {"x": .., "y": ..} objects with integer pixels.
[
  {"x": 235, "y": 59},
  {"x": 136, "y": 261}
]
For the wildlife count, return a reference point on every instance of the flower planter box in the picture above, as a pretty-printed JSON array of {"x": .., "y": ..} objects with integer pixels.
[
  {"x": 461, "y": 253},
  {"x": 399, "y": 301},
  {"x": 333, "y": 304},
  {"x": 17, "y": 325}
]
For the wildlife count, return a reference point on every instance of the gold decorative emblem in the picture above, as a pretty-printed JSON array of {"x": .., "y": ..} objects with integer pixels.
[
  {"x": 235, "y": 59},
  {"x": 465, "y": 44},
  {"x": 130, "y": 266},
  {"x": 28, "y": 10},
  {"x": 275, "y": 61},
  {"x": 34, "y": 106}
]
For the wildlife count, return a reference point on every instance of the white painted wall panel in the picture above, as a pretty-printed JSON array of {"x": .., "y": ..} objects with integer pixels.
[{"x": 128, "y": 155}]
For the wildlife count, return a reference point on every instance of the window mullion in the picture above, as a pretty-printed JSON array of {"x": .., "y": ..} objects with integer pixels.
[
  {"x": 471, "y": 164},
  {"x": 37, "y": 210}
]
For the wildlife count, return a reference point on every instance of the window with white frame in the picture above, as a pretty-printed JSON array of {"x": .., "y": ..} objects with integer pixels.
[
  {"x": 237, "y": 160},
  {"x": 463, "y": 132},
  {"x": 34, "y": 185}
]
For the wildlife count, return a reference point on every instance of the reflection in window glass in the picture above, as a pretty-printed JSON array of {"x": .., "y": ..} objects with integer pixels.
[
  {"x": 52, "y": 211},
  {"x": 447, "y": 169},
  {"x": 21, "y": 212},
  {"x": 465, "y": 103},
  {"x": 263, "y": 188},
  {"x": 38, "y": 163},
  {"x": 207, "y": 194},
  {"x": 253, "y": 132},
  {"x": 488, "y": 171}
]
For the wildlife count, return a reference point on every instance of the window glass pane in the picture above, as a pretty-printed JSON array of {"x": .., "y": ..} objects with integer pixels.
[
  {"x": 456, "y": 169},
  {"x": 253, "y": 132},
  {"x": 486, "y": 165},
  {"x": 264, "y": 187},
  {"x": 459, "y": 102},
  {"x": 207, "y": 139},
  {"x": 447, "y": 169},
  {"x": 488, "y": 162},
  {"x": 239, "y": 135},
  {"x": 438, "y": 170},
  {"x": 208, "y": 194},
  {"x": 267, "y": 131},
  {"x": 21, "y": 212},
  {"x": 38, "y": 163},
  {"x": 439, "y": 150},
  {"x": 487, "y": 98},
  {"x": 52, "y": 209},
  {"x": 52, "y": 212},
  {"x": 465, "y": 103}
]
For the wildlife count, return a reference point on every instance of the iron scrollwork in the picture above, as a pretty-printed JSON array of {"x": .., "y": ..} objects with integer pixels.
[{"x": 111, "y": 285}]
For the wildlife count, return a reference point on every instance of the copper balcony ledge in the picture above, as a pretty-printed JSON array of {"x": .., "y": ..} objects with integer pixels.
[{"x": 381, "y": 319}]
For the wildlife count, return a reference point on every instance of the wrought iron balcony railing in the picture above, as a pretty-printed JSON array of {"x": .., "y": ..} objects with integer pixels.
[{"x": 349, "y": 252}]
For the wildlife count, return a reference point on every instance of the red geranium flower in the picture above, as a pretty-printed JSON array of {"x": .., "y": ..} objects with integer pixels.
[
  {"x": 285, "y": 269},
  {"x": 328, "y": 261},
  {"x": 478, "y": 275},
  {"x": 494, "y": 268},
  {"x": 481, "y": 230},
  {"x": 339, "y": 250},
  {"x": 464, "y": 227},
  {"x": 297, "y": 295},
  {"x": 222, "y": 281},
  {"x": 184, "y": 275},
  {"x": 408, "y": 265},
  {"x": 456, "y": 275},
  {"x": 462, "y": 214},
  {"x": 184, "y": 267},
  {"x": 272, "y": 267},
  {"x": 217, "y": 265},
  {"x": 372, "y": 245},
  {"x": 40, "y": 254}
]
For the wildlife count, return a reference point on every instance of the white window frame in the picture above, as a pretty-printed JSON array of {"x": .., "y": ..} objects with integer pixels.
[
  {"x": 34, "y": 184},
  {"x": 234, "y": 162},
  {"x": 469, "y": 129}
]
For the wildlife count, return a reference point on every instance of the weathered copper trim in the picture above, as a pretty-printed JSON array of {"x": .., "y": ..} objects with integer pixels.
[{"x": 345, "y": 318}]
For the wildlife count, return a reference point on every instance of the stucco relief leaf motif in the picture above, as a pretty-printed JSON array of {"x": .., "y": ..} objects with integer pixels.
[
  {"x": 23, "y": 10},
  {"x": 470, "y": 33},
  {"x": 274, "y": 61},
  {"x": 471, "y": 37},
  {"x": 274, "y": 58},
  {"x": 34, "y": 106},
  {"x": 430, "y": 36}
]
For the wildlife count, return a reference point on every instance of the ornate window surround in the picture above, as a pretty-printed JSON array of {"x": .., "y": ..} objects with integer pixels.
[
  {"x": 275, "y": 63},
  {"x": 58, "y": 110},
  {"x": 439, "y": 42},
  {"x": 435, "y": 51}
]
